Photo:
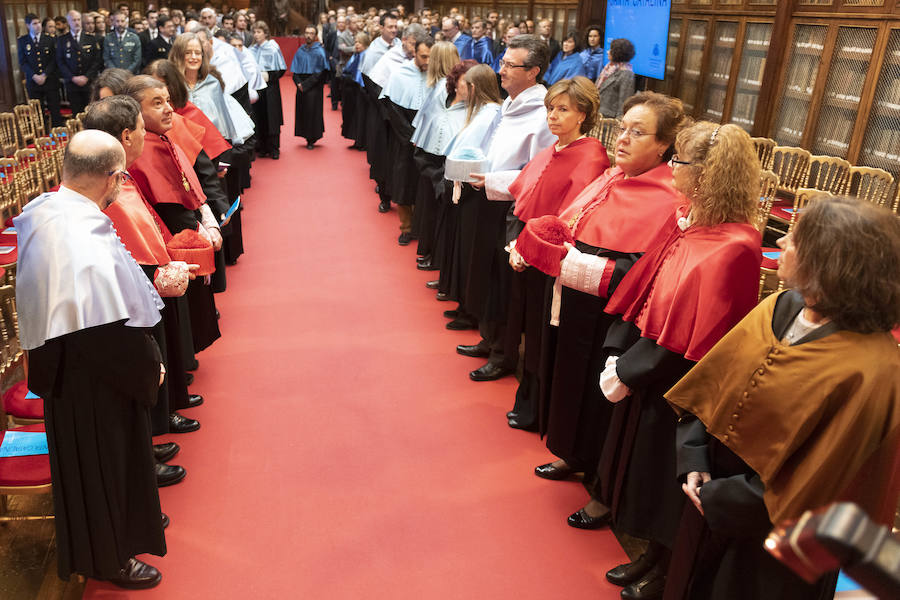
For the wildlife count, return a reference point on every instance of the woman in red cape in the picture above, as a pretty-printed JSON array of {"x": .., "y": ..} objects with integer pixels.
[{"x": 696, "y": 282}]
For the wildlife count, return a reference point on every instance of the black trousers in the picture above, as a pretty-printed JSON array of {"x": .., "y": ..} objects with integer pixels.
[
  {"x": 79, "y": 97},
  {"x": 48, "y": 94}
]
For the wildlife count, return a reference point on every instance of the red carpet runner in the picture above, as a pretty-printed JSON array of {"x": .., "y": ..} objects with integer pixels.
[{"x": 344, "y": 453}]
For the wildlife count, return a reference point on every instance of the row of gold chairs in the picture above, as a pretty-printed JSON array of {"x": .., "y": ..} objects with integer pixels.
[{"x": 30, "y": 171}]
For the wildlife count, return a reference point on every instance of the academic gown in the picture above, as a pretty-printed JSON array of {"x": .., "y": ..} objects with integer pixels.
[
  {"x": 379, "y": 146},
  {"x": 267, "y": 111},
  {"x": 547, "y": 185},
  {"x": 677, "y": 301},
  {"x": 481, "y": 50},
  {"x": 309, "y": 69},
  {"x": 350, "y": 91},
  {"x": 403, "y": 96},
  {"x": 615, "y": 218},
  {"x": 564, "y": 67},
  {"x": 593, "y": 60}
]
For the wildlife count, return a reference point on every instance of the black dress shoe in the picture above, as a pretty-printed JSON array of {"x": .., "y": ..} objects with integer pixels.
[
  {"x": 433, "y": 284},
  {"x": 628, "y": 573},
  {"x": 476, "y": 351},
  {"x": 188, "y": 378},
  {"x": 165, "y": 520},
  {"x": 648, "y": 587},
  {"x": 451, "y": 314},
  {"x": 194, "y": 400},
  {"x": 516, "y": 424},
  {"x": 404, "y": 239},
  {"x": 581, "y": 520},
  {"x": 552, "y": 473},
  {"x": 310, "y": 146},
  {"x": 423, "y": 258},
  {"x": 384, "y": 206},
  {"x": 181, "y": 424},
  {"x": 195, "y": 364},
  {"x": 512, "y": 415},
  {"x": 426, "y": 266},
  {"x": 137, "y": 575},
  {"x": 168, "y": 474},
  {"x": 462, "y": 323},
  {"x": 489, "y": 372},
  {"x": 442, "y": 297},
  {"x": 165, "y": 452},
  {"x": 275, "y": 154}
]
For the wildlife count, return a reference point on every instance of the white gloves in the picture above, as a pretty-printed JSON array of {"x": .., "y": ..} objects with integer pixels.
[
  {"x": 212, "y": 226},
  {"x": 172, "y": 279}
]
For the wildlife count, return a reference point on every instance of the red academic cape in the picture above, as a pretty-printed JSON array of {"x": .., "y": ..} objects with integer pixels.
[
  {"x": 140, "y": 229},
  {"x": 692, "y": 286},
  {"x": 624, "y": 214},
  {"x": 164, "y": 174},
  {"x": 553, "y": 178},
  {"x": 187, "y": 135},
  {"x": 213, "y": 142}
]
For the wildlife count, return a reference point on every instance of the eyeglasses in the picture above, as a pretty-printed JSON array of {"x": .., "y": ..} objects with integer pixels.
[
  {"x": 631, "y": 132},
  {"x": 674, "y": 161},
  {"x": 504, "y": 64},
  {"x": 122, "y": 175}
]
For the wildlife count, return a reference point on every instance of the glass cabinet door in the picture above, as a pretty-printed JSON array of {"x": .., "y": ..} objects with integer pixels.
[
  {"x": 881, "y": 144},
  {"x": 753, "y": 63},
  {"x": 719, "y": 71},
  {"x": 803, "y": 68}
]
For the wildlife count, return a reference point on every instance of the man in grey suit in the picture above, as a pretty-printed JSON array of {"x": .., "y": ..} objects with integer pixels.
[{"x": 122, "y": 48}]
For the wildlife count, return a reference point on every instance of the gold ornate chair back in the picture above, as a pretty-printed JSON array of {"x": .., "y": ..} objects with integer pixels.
[
  {"x": 25, "y": 123},
  {"x": 870, "y": 184},
  {"x": 768, "y": 185},
  {"x": 791, "y": 165},
  {"x": 9, "y": 195},
  {"x": 606, "y": 133},
  {"x": 38, "y": 112},
  {"x": 828, "y": 174},
  {"x": 73, "y": 125},
  {"x": 28, "y": 175},
  {"x": 49, "y": 168},
  {"x": 764, "y": 148},
  {"x": 9, "y": 141}
]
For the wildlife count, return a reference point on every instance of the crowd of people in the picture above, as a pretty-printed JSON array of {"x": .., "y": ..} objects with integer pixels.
[{"x": 624, "y": 295}]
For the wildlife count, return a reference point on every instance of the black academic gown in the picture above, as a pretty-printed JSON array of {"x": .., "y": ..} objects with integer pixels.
[
  {"x": 349, "y": 92},
  {"x": 578, "y": 414},
  {"x": 429, "y": 187},
  {"x": 308, "y": 120},
  {"x": 404, "y": 177},
  {"x": 268, "y": 115},
  {"x": 232, "y": 238},
  {"x": 97, "y": 385},
  {"x": 377, "y": 137},
  {"x": 457, "y": 246}
]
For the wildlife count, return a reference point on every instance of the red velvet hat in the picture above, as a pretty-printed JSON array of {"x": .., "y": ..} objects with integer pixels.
[
  {"x": 193, "y": 248},
  {"x": 541, "y": 243}
]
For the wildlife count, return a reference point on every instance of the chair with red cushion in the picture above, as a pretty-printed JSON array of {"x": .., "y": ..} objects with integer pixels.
[
  {"x": 22, "y": 407},
  {"x": 23, "y": 475}
]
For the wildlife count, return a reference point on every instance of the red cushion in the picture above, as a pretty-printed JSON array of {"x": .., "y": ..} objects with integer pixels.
[
  {"x": 8, "y": 222},
  {"x": 16, "y": 404},
  {"x": 9, "y": 258},
  {"x": 24, "y": 470},
  {"x": 782, "y": 213},
  {"x": 767, "y": 262}
]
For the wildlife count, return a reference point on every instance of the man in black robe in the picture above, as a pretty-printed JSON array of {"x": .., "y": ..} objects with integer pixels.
[
  {"x": 309, "y": 68},
  {"x": 96, "y": 366}
]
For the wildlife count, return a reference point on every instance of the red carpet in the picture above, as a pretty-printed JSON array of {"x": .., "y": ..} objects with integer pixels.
[{"x": 344, "y": 453}]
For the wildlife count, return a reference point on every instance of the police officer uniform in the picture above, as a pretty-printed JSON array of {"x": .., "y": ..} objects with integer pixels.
[
  {"x": 122, "y": 53},
  {"x": 78, "y": 57},
  {"x": 38, "y": 57},
  {"x": 157, "y": 48}
]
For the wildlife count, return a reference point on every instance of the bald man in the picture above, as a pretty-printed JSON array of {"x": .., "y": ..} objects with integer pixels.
[{"x": 85, "y": 312}]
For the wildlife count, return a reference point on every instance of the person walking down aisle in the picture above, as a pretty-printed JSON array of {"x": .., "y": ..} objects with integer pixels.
[
  {"x": 96, "y": 367},
  {"x": 309, "y": 68}
]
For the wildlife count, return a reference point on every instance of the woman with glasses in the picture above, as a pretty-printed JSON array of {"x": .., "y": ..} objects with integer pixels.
[
  {"x": 694, "y": 283},
  {"x": 616, "y": 81},
  {"x": 614, "y": 220},
  {"x": 567, "y": 63},
  {"x": 797, "y": 406}
]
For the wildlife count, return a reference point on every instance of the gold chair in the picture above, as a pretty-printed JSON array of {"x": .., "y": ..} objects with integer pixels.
[
  {"x": 38, "y": 113},
  {"x": 25, "y": 123},
  {"x": 764, "y": 148},
  {"x": 896, "y": 207},
  {"x": 828, "y": 174},
  {"x": 73, "y": 125},
  {"x": 49, "y": 168},
  {"x": 9, "y": 141},
  {"x": 9, "y": 195},
  {"x": 606, "y": 132},
  {"x": 61, "y": 136},
  {"x": 792, "y": 166},
  {"x": 28, "y": 175},
  {"x": 870, "y": 184},
  {"x": 768, "y": 185}
]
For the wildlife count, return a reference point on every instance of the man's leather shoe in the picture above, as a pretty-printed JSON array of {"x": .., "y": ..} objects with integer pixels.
[
  {"x": 188, "y": 378},
  {"x": 275, "y": 154},
  {"x": 404, "y": 239},
  {"x": 195, "y": 364},
  {"x": 442, "y": 297},
  {"x": 489, "y": 372},
  {"x": 426, "y": 266},
  {"x": 516, "y": 424},
  {"x": 462, "y": 323},
  {"x": 628, "y": 573},
  {"x": 384, "y": 206},
  {"x": 165, "y": 520},
  {"x": 476, "y": 351},
  {"x": 423, "y": 258},
  {"x": 648, "y": 587},
  {"x": 168, "y": 474},
  {"x": 451, "y": 314},
  {"x": 181, "y": 424},
  {"x": 512, "y": 415},
  {"x": 194, "y": 400},
  {"x": 137, "y": 575},
  {"x": 553, "y": 473},
  {"x": 165, "y": 452},
  {"x": 310, "y": 146},
  {"x": 433, "y": 284},
  {"x": 581, "y": 520}
]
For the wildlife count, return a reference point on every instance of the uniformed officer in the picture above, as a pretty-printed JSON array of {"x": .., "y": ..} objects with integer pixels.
[
  {"x": 80, "y": 59},
  {"x": 37, "y": 61},
  {"x": 122, "y": 48},
  {"x": 160, "y": 45}
]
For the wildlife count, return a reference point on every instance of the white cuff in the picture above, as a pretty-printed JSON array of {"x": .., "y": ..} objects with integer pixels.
[
  {"x": 496, "y": 185},
  {"x": 582, "y": 272},
  {"x": 610, "y": 384},
  {"x": 207, "y": 218}
]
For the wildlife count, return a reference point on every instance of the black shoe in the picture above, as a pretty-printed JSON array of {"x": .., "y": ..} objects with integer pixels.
[
  {"x": 275, "y": 154},
  {"x": 165, "y": 452},
  {"x": 181, "y": 424},
  {"x": 462, "y": 323},
  {"x": 648, "y": 587},
  {"x": 433, "y": 284},
  {"x": 442, "y": 297},
  {"x": 553, "y": 473},
  {"x": 310, "y": 145},
  {"x": 628, "y": 573},
  {"x": 426, "y": 266},
  {"x": 476, "y": 351},
  {"x": 489, "y": 372},
  {"x": 194, "y": 400},
  {"x": 512, "y": 415},
  {"x": 404, "y": 239},
  {"x": 581, "y": 520},
  {"x": 137, "y": 575},
  {"x": 451, "y": 314},
  {"x": 188, "y": 378},
  {"x": 384, "y": 206},
  {"x": 168, "y": 474},
  {"x": 516, "y": 424},
  {"x": 195, "y": 364},
  {"x": 165, "y": 520},
  {"x": 423, "y": 259}
]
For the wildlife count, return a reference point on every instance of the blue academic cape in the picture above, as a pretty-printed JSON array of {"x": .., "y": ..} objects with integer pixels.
[
  {"x": 309, "y": 59},
  {"x": 564, "y": 67}
]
